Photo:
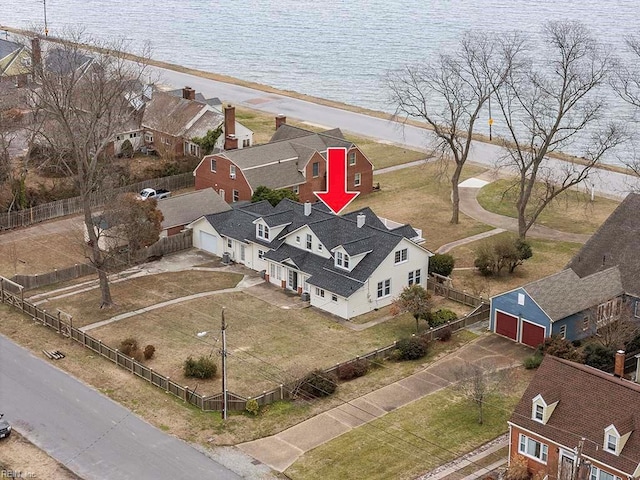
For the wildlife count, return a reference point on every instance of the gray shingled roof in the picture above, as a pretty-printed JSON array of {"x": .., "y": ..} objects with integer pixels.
[
  {"x": 209, "y": 121},
  {"x": 565, "y": 293},
  {"x": 280, "y": 175},
  {"x": 62, "y": 61},
  {"x": 168, "y": 114},
  {"x": 183, "y": 209},
  {"x": 615, "y": 243},
  {"x": 7, "y": 48}
]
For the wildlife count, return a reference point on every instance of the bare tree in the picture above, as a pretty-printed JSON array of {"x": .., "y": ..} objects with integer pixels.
[
  {"x": 450, "y": 92},
  {"x": 83, "y": 97},
  {"x": 546, "y": 106},
  {"x": 612, "y": 324},
  {"x": 477, "y": 384}
]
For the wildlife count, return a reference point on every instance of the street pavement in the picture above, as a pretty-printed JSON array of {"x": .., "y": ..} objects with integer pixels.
[
  {"x": 93, "y": 436},
  {"x": 604, "y": 182}
]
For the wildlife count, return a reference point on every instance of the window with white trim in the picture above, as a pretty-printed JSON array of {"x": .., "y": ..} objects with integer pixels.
[
  {"x": 563, "y": 331},
  {"x": 611, "y": 440},
  {"x": 598, "y": 474},
  {"x": 415, "y": 277},
  {"x": 401, "y": 256},
  {"x": 538, "y": 412},
  {"x": 357, "y": 180},
  {"x": 352, "y": 158},
  {"x": 319, "y": 292},
  {"x": 342, "y": 260},
  {"x": 242, "y": 252},
  {"x": 384, "y": 288},
  {"x": 334, "y": 297},
  {"x": 229, "y": 243},
  {"x": 263, "y": 231},
  {"x": 298, "y": 239},
  {"x": 521, "y": 299},
  {"x": 246, "y": 142},
  {"x": 236, "y": 195},
  {"x": 148, "y": 137},
  {"x": 309, "y": 241},
  {"x": 261, "y": 254},
  {"x": 213, "y": 165},
  {"x": 320, "y": 247},
  {"x": 315, "y": 169},
  {"x": 533, "y": 449},
  {"x": 232, "y": 171}
]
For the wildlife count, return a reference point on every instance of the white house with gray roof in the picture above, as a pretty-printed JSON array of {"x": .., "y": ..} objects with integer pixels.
[{"x": 348, "y": 265}]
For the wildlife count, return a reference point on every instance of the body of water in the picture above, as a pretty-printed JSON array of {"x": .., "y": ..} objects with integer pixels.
[{"x": 336, "y": 49}]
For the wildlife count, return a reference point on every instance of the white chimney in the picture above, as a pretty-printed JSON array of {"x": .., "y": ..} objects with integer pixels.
[
  {"x": 361, "y": 219},
  {"x": 307, "y": 209}
]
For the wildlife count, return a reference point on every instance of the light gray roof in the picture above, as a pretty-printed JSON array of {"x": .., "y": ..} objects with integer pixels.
[
  {"x": 168, "y": 114},
  {"x": 565, "y": 293},
  {"x": 209, "y": 121},
  {"x": 183, "y": 209},
  {"x": 7, "y": 48},
  {"x": 276, "y": 176}
]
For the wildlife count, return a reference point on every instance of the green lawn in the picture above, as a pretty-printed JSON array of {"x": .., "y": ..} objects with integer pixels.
[
  {"x": 411, "y": 440},
  {"x": 571, "y": 211}
]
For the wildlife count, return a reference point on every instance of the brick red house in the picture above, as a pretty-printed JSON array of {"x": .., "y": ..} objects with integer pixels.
[
  {"x": 577, "y": 422},
  {"x": 294, "y": 158}
]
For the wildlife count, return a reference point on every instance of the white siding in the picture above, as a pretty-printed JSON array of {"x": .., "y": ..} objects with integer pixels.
[
  {"x": 302, "y": 233},
  {"x": 202, "y": 225}
]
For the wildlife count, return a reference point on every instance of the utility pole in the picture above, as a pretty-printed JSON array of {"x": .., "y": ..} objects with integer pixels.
[
  {"x": 46, "y": 30},
  {"x": 490, "y": 120},
  {"x": 224, "y": 368}
]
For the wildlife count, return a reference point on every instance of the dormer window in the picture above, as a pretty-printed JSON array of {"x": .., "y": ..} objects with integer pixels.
[
  {"x": 342, "y": 260},
  {"x": 541, "y": 411},
  {"x": 263, "y": 231},
  {"x": 538, "y": 413},
  {"x": 612, "y": 443}
]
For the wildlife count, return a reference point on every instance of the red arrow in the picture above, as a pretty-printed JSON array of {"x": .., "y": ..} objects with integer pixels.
[{"x": 336, "y": 197}]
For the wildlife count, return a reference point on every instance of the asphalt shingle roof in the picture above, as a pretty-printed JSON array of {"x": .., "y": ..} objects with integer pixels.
[
  {"x": 615, "y": 243},
  {"x": 565, "y": 293},
  {"x": 7, "y": 48},
  {"x": 182, "y": 209},
  {"x": 589, "y": 400},
  {"x": 168, "y": 114},
  {"x": 330, "y": 229}
]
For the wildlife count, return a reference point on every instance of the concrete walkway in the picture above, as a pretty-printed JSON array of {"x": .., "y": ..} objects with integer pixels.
[
  {"x": 280, "y": 451},
  {"x": 450, "y": 246}
]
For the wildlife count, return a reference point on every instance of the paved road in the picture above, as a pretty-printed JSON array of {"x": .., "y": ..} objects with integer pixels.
[
  {"x": 92, "y": 435},
  {"x": 605, "y": 182}
]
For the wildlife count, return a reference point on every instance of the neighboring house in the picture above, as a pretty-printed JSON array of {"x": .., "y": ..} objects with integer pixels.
[
  {"x": 577, "y": 422},
  {"x": 349, "y": 265},
  {"x": 15, "y": 63},
  {"x": 294, "y": 158},
  {"x": 180, "y": 210},
  {"x": 169, "y": 123},
  {"x": 108, "y": 234},
  {"x": 598, "y": 283}
]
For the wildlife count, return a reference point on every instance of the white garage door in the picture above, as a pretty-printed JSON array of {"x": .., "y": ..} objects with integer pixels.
[{"x": 209, "y": 242}]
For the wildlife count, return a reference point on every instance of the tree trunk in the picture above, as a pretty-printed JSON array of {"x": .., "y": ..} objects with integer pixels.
[
  {"x": 96, "y": 256},
  {"x": 455, "y": 194}
]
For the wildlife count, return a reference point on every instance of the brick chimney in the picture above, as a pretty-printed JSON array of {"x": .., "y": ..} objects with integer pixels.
[
  {"x": 280, "y": 120},
  {"x": 188, "y": 93},
  {"x": 618, "y": 369},
  {"x": 230, "y": 140},
  {"x": 36, "y": 52}
]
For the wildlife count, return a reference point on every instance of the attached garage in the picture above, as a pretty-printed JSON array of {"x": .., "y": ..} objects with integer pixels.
[
  {"x": 532, "y": 334},
  {"x": 507, "y": 325},
  {"x": 209, "y": 243}
]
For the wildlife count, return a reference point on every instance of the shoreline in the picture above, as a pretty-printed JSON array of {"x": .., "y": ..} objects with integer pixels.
[{"x": 312, "y": 99}]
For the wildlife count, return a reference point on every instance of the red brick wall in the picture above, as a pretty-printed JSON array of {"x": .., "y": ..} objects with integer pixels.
[
  {"x": 551, "y": 468},
  {"x": 314, "y": 184},
  {"x": 365, "y": 169},
  {"x": 220, "y": 179}
]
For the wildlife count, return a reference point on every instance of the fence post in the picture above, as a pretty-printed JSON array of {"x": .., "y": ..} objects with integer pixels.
[
  {"x": 281, "y": 392},
  {"x": 185, "y": 395},
  {"x": 167, "y": 384},
  {"x": 100, "y": 347},
  {"x": 151, "y": 375},
  {"x": 117, "y": 357},
  {"x": 58, "y": 321},
  {"x": 133, "y": 365},
  {"x": 44, "y": 317}
]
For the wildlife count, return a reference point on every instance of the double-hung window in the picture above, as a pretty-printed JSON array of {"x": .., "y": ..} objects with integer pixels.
[
  {"x": 414, "y": 277},
  {"x": 400, "y": 256},
  {"x": 263, "y": 231},
  {"x": 598, "y": 474},
  {"x": 309, "y": 241},
  {"x": 533, "y": 449},
  {"x": 384, "y": 288}
]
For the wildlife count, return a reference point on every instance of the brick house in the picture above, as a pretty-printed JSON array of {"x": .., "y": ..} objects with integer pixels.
[
  {"x": 294, "y": 158},
  {"x": 577, "y": 422}
]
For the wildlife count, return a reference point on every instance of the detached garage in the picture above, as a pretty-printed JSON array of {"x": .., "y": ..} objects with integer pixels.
[
  {"x": 532, "y": 334},
  {"x": 506, "y": 325}
]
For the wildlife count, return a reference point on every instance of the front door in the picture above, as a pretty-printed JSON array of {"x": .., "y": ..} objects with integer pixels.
[
  {"x": 293, "y": 280},
  {"x": 566, "y": 467}
]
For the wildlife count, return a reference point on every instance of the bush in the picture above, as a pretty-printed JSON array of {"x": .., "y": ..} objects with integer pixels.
[
  {"x": 202, "y": 368},
  {"x": 599, "y": 356},
  {"x": 136, "y": 355},
  {"x": 442, "y": 264},
  {"x": 252, "y": 407},
  {"x": 561, "y": 348},
  {"x": 318, "y": 384},
  {"x": 126, "y": 149},
  {"x": 533, "y": 361},
  {"x": 518, "y": 469},
  {"x": 445, "y": 334},
  {"x": 499, "y": 252},
  {"x": 128, "y": 346},
  {"x": 353, "y": 369},
  {"x": 439, "y": 317},
  {"x": 411, "y": 348},
  {"x": 149, "y": 350}
]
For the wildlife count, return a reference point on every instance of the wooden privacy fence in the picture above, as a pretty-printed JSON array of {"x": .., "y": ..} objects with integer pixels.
[
  {"x": 69, "y": 206},
  {"x": 453, "y": 294},
  {"x": 164, "y": 246},
  {"x": 210, "y": 403}
]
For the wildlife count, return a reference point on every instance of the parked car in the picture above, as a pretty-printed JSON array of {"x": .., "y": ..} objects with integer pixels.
[
  {"x": 158, "y": 194},
  {"x": 5, "y": 428}
]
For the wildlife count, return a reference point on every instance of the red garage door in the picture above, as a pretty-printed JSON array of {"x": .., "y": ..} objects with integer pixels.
[
  {"x": 532, "y": 334},
  {"x": 507, "y": 325}
]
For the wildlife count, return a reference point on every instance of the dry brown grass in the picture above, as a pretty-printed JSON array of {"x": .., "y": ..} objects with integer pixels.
[
  {"x": 420, "y": 197},
  {"x": 549, "y": 257},
  {"x": 19, "y": 455},
  {"x": 132, "y": 294}
]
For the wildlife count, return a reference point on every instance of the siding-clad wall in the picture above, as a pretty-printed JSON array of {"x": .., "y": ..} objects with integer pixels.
[{"x": 508, "y": 303}]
